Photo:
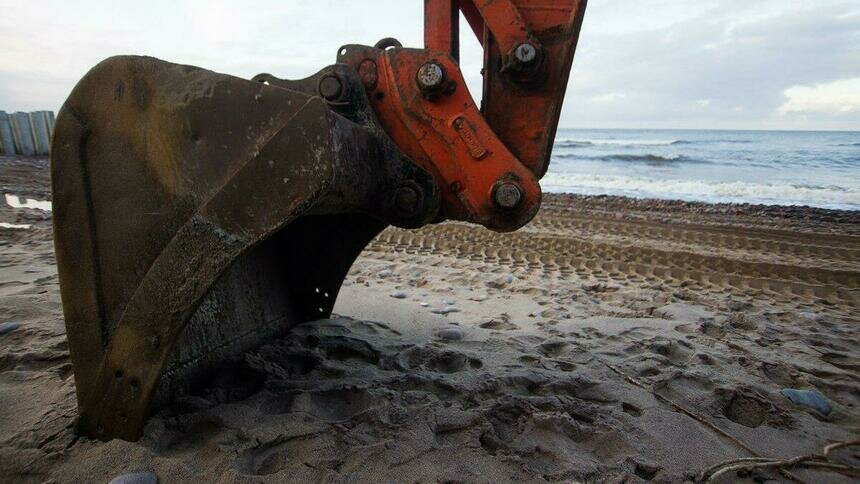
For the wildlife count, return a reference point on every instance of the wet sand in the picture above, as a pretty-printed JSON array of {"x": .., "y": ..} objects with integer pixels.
[{"x": 610, "y": 340}]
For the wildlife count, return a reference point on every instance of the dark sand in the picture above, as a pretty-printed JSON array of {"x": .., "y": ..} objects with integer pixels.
[{"x": 575, "y": 349}]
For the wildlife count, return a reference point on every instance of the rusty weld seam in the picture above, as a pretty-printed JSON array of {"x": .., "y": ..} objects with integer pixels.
[
  {"x": 256, "y": 150},
  {"x": 184, "y": 364}
]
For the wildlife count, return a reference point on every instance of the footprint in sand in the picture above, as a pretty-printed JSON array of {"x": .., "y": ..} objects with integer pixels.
[
  {"x": 443, "y": 361},
  {"x": 500, "y": 323}
]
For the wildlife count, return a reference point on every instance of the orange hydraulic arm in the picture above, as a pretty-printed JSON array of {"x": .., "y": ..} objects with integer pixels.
[{"x": 486, "y": 158}]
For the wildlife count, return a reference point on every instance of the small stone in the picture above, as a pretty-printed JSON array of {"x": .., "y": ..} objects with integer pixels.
[
  {"x": 479, "y": 298},
  {"x": 450, "y": 334},
  {"x": 445, "y": 310},
  {"x": 808, "y": 398},
  {"x": 424, "y": 304},
  {"x": 136, "y": 478},
  {"x": 9, "y": 327},
  {"x": 450, "y": 302},
  {"x": 398, "y": 295},
  {"x": 384, "y": 273}
]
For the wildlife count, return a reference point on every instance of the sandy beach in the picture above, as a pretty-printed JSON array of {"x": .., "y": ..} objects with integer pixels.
[{"x": 610, "y": 340}]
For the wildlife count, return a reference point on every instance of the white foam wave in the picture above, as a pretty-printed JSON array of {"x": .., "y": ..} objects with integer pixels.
[
  {"x": 7, "y": 225},
  {"x": 15, "y": 201},
  {"x": 617, "y": 142},
  {"x": 709, "y": 191}
]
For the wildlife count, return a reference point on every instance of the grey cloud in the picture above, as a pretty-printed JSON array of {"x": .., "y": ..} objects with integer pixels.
[
  {"x": 640, "y": 64},
  {"x": 732, "y": 53}
]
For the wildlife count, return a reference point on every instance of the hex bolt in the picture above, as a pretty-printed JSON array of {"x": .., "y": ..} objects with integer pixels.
[
  {"x": 525, "y": 53},
  {"x": 407, "y": 199},
  {"x": 430, "y": 76},
  {"x": 507, "y": 195},
  {"x": 330, "y": 87}
]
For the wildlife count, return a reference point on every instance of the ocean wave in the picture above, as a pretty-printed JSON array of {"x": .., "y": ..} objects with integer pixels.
[
  {"x": 568, "y": 142},
  {"x": 710, "y": 191},
  {"x": 648, "y": 158},
  {"x": 571, "y": 142},
  {"x": 848, "y": 144}
]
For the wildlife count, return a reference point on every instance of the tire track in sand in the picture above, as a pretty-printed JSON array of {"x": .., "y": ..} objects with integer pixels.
[{"x": 815, "y": 270}]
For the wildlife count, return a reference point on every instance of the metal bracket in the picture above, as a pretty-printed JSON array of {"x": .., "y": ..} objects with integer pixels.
[
  {"x": 528, "y": 52},
  {"x": 421, "y": 99}
]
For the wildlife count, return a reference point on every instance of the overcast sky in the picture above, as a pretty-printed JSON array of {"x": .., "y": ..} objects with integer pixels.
[{"x": 745, "y": 64}]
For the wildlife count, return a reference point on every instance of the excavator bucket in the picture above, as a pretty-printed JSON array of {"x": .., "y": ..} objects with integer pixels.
[{"x": 198, "y": 214}]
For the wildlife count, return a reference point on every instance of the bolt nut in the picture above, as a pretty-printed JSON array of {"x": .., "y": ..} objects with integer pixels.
[
  {"x": 430, "y": 76},
  {"x": 525, "y": 53},
  {"x": 407, "y": 200},
  {"x": 507, "y": 195},
  {"x": 330, "y": 87}
]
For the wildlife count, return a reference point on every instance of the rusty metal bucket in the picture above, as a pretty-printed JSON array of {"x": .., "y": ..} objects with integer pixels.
[{"x": 199, "y": 214}]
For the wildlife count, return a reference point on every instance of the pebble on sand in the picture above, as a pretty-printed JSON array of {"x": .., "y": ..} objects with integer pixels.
[
  {"x": 445, "y": 310},
  {"x": 136, "y": 478},
  {"x": 398, "y": 295},
  {"x": 9, "y": 327},
  {"x": 808, "y": 398},
  {"x": 450, "y": 334}
]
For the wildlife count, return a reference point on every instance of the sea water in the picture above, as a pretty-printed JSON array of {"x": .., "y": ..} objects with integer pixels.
[{"x": 820, "y": 169}]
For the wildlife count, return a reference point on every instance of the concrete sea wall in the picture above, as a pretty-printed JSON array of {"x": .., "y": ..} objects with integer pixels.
[{"x": 26, "y": 134}]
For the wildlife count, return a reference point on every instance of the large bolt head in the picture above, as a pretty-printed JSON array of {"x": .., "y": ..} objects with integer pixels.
[
  {"x": 507, "y": 195},
  {"x": 525, "y": 53},
  {"x": 430, "y": 76},
  {"x": 330, "y": 87}
]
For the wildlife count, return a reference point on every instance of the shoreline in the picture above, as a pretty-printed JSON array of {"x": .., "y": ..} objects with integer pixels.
[{"x": 24, "y": 168}]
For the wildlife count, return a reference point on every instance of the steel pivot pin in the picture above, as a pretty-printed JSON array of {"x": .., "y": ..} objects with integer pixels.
[
  {"x": 430, "y": 76},
  {"x": 507, "y": 195},
  {"x": 525, "y": 53}
]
